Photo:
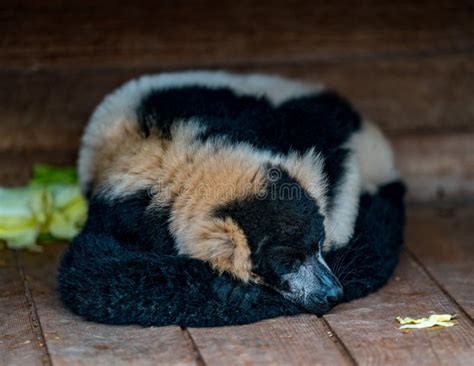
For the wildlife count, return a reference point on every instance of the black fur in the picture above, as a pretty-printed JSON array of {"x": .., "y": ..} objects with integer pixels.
[
  {"x": 130, "y": 221},
  {"x": 106, "y": 281},
  {"x": 220, "y": 110}
]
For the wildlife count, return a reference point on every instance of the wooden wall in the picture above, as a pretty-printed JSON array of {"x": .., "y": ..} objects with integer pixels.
[{"x": 408, "y": 65}]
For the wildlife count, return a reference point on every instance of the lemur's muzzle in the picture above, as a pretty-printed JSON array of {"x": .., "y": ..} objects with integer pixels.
[{"x": 314, "y": 287}]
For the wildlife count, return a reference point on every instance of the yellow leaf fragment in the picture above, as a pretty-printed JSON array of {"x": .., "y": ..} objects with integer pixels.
[
  {"x": 442, "y": 317},
  {"x": 441, "y": 320}
]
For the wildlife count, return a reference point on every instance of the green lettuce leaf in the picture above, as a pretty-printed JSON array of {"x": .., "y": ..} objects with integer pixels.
[{"x": 51, "y": 206}]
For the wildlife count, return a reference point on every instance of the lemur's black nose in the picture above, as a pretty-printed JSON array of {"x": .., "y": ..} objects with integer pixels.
[
  {"x": 321, "y": 302},
  {"x": 334, "y": 295},
  {"x": 330, "y": 289}
]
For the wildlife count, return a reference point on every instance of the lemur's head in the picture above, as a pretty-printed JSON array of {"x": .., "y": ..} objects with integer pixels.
[
  {"x": 273, "y": 236},
  {"x": 284, "y": 229}
]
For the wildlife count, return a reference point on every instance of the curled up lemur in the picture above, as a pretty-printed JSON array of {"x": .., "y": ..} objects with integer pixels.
[{"x": 217, "y": 198}]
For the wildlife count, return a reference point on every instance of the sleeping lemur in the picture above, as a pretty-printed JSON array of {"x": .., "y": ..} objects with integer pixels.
[{"x": 256, "y": 175}]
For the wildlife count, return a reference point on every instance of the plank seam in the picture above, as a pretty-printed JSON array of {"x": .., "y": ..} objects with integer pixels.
[
  {"x": 199, "y": 358},
  {"x": 274, "y": 61},
  {"x": 338, "y": 342},
  {"x": 439, "y": 285},
  {"x": 33, "y": 316}
]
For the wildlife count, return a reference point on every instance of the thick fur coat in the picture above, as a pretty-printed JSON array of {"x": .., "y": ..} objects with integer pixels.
[{"x": 193, "y": 259}]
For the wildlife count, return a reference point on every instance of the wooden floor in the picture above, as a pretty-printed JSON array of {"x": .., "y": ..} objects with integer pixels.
[
  {"x": 408, "y": 65},
  {"x": 436, "y": 273}
]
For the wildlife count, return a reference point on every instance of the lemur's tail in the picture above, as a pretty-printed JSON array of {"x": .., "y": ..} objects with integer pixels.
[{"x": 105, "y": 281}]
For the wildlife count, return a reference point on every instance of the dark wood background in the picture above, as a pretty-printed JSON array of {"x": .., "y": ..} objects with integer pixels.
[{"x": 407, "y": 65}]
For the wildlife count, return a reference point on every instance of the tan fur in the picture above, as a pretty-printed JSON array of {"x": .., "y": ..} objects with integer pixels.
[
  {"x": 223, "y": 244},
  {"x": 124, "y": 161}
]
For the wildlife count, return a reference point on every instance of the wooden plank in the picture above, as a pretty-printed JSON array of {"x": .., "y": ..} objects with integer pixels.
[
  {"x": 205, "y": 33},
  {"x": 368, "y": 328},
  {"x": 300, "y": 340},
  {"x": 437, "y": 167},
  {"x": 442, "y": 240},
  {"x": 21, "y": 342},
  {"x": 16, "y": 167},
  {"x": 47, "y": 110},
  {"x": 72, "y": 341}
]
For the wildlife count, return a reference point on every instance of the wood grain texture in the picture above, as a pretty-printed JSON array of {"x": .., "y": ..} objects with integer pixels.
[
  {"x": 16, "y": 167},
  {"x": 47, "y": 110},
  {"x": 300, "y": 340},
  {"x": 369, "y": 330},
  {"x": 20, "y": 336},
  {"x": 72, "y": 341},
  {"x": 437, "y": 167},
  {"x": 205, "y": 33},
  {"x": 442, "y": 240}
]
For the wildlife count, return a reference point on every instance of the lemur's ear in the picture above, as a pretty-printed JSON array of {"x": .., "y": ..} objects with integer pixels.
[{"x": 223, "y": 244}]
